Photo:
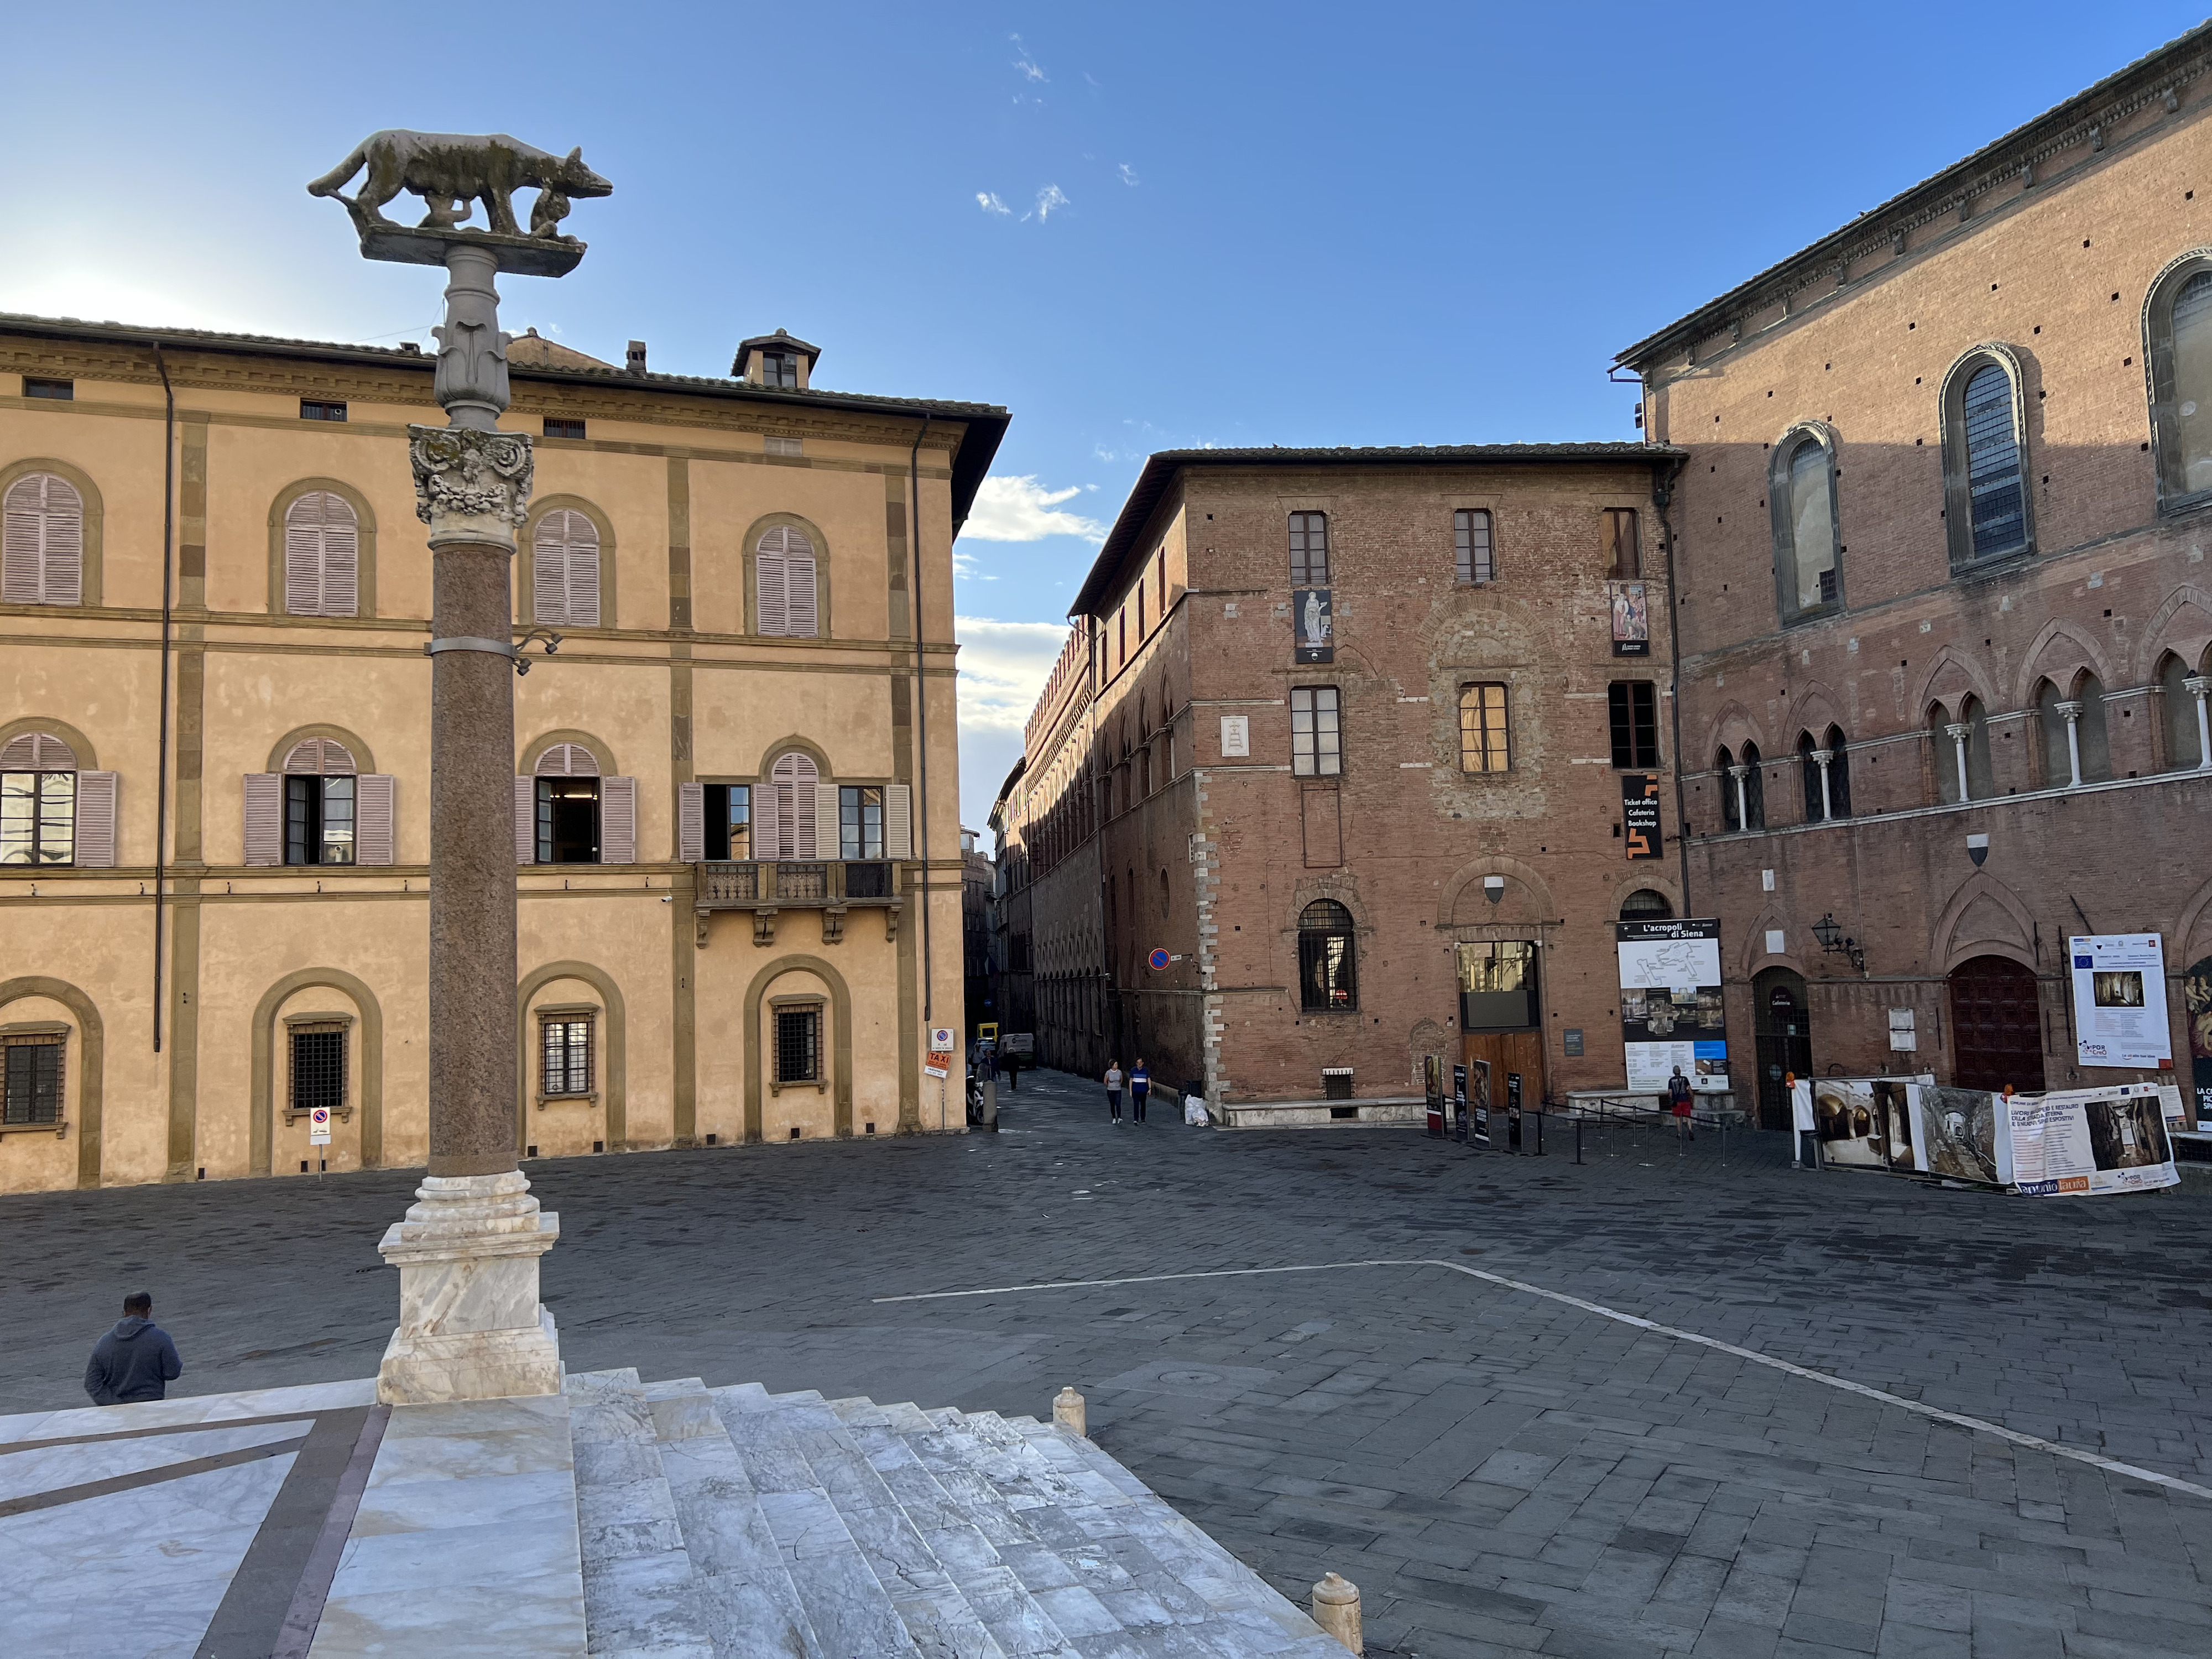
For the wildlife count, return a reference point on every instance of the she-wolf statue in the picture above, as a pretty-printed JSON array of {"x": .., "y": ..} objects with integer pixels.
[{"x": 447, "y": 170}]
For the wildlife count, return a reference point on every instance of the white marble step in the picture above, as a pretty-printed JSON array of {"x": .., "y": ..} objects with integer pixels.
[
  {"x": 640, "y": 1599},
  {"x": 748, "y": 1597},
  {"x": 851, "y": 1613},
  {"x": 938, "y": 1605}
]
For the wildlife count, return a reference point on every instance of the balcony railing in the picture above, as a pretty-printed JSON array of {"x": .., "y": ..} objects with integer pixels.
[{"x": 802, "y": 882}]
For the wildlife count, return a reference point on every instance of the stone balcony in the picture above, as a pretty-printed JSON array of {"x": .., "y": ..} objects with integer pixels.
[{"x": 766, "y": 889}]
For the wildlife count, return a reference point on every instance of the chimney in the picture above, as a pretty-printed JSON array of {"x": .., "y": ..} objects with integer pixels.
[{"x": 636, "y": 357}]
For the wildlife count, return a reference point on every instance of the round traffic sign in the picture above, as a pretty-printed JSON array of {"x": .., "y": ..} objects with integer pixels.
[{"x": 1158, "y": 960}]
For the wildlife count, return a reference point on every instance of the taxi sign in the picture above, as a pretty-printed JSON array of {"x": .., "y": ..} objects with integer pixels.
[{"x": 939, "y": 1063}]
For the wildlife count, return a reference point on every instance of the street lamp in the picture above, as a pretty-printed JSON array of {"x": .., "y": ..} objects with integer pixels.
[{"x": 1834, "y": 942}]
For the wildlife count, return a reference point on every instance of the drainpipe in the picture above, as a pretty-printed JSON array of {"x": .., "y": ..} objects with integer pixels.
[
  {"x": 1662, "y": 496},
  {"x": 161, "y": 755},
  {"x": 921, "y": 713}
]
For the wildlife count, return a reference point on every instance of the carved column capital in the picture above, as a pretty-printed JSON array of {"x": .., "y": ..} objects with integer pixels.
[
  {"x": 2197, "y": 684},
  {"x": 1957, "y": 731},
  {"x": 2069, "y": 710},
  {"x": 1822, "y": 756},
  {"x": 471, "y": 486}
]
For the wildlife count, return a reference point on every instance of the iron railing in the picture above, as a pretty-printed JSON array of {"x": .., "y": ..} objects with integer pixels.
[{"x": 805, "y": 881}]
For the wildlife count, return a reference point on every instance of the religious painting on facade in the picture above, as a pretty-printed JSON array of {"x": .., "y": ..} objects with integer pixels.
[
  {"x": 1632, "y": 619},
  {"x": 1314, "y": 625}
]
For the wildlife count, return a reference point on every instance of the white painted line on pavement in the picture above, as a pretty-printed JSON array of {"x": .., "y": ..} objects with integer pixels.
[{"x": 1958, "y": 1419}]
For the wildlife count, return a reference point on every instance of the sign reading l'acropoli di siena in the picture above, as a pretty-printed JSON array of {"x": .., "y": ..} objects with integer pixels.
[{"x": 2119, "y": 1000}]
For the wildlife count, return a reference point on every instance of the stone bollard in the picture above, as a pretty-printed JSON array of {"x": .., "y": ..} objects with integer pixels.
[
  {"x": 1067, "y": 1411},
  {"x": 1336, "y": 1610}
]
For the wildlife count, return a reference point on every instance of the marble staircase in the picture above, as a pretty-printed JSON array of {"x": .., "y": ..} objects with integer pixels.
[{"x": 732, "y": 1524}]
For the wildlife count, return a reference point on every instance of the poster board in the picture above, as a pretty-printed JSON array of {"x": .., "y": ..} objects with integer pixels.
[
  {"x": 1632, "y": 618},
  {"x": 1865, "y": 1122},
  {"x": 1671, "y": 1012},
  {"x": 2119, "y": 1000},
  {"x": 2082, "y": 1141}
]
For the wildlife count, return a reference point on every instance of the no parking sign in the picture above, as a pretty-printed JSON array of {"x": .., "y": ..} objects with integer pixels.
[
  {"x": 940, "y": 1051},
  {"x": 318, "y": 1125}
]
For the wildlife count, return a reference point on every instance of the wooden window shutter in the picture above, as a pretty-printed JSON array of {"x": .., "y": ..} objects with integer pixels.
[
  {"x": 691, "y": 822},
  {"x": 618, "y": 820},
  {"x": 768, "y": 584},
  {"x": 898, "y": 821},
  {"x": 320, "y": 757},
  {"x": 801, "y": 831},
  {"x": 567, "y": 760},
  {"x": 37, "y": 751},
  {"x": 828, "y": 843},
  {"x": 549, "y": 572},
  {"x": 525, "y": 820},
  {"x": 375, "y": 828},
  {"x": 800, "y": 609},
  {"x": 767, "y": 821},
  {"x": 583, "y": 570},
  {"x": 322, "y": 556},
  {"x": 95, "y": 820},
  {"x": 42, "y": 541},
  {"x": 341, "y": 557},
  {"x": 264, "y": 817}
]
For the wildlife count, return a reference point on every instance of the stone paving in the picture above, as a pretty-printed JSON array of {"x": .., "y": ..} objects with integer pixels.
[{"x": 1500, "y": 1473}]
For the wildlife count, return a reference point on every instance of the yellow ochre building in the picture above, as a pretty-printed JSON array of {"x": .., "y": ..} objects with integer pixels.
[{"x": 736, "y": 787}]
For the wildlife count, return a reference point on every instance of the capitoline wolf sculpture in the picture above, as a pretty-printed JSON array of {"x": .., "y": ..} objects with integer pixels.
[{"x": 451, "y": 170}]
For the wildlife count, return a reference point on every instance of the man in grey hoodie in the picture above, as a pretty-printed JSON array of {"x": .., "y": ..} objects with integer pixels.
[{"x": 136, "y": 1360}]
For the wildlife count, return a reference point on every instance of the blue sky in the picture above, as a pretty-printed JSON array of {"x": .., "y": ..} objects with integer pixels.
[{"x": 1137, "y": 226}]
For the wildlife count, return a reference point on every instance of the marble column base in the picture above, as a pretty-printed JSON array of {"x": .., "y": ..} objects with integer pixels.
[{"x": 470, "y": 1325}]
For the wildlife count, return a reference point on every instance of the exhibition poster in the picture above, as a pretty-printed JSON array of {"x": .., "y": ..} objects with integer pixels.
[
  {"x": 2119, "y": 1000},
  {"x": 2090, "y": 1140},
  {"x": 1670, "y": 1004},
  {"x": 1866, "y": 1122},
  {"x": 1959, "y": 1135}
]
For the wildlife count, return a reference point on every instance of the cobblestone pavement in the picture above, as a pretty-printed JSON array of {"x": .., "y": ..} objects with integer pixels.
[{"x": 1500, "y": 1473}]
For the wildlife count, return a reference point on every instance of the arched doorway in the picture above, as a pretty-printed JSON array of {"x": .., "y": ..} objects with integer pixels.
[
  {"x": 1782, "y": 1024},
  {"x": 1996, "y": 1025}
]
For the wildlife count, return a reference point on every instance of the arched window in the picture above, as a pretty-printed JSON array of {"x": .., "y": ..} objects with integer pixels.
[
  {"x": 789, "y": 816},
  {"x": 2095, "y": 740},
  {"x": 1807, "y": 560},
  {"x": 568, "y": 794},
  {"x": 1309, "y": 549},
  {"x": 1809, "y": 774},
  {"x": 1731, "y": 795},
  {"x": 1964, "y": 770},
  {"x": 41, "y": 541},
  {"x": 1646, "y": 905},
  {"x": 1839, "y": 775},
  {"x": 38, "y": 800},
  {"x": 784, "y": 584},
  {"x": 2185, "y": 729},
  {"x": 2051, "y": 729},
  {"x": 322, "y": 556},
  {"x": 564, "y": 570},
  {"x": 2178, "y": 327},
  {"x": 320, "y": 802},
  {"x": 1985, "y": 459},
  {"x": 1754, "y": 789},
  {"x": 1328, "y": 982}
]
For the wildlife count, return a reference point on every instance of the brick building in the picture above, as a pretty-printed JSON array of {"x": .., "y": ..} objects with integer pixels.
[
  {"x": 1940, "y": 545},
  {"x": 1337, "y": 755}
]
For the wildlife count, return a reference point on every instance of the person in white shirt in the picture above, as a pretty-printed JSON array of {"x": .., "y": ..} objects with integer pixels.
[{"x": 1113, "y": 1081}]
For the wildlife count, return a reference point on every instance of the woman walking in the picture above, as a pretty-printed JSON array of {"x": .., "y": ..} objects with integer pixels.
[
  {"x": 1114, "y": 1080},
  {"x": 1140, "y": 1084}
]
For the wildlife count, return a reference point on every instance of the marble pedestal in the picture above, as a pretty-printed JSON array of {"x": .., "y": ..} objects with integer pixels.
[{"x": 470, "y": 1325}]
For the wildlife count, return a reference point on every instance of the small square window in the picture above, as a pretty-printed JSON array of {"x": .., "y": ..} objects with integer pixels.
[
  {"x": 313, "y": 409},
  {"x": 558, "y": 427},
  {"x": 36, "y": 386},
  {"x": 319, "y": 1066},
  {"x": 779, "y": 370},
  {"x": 798, "y": 1045},
  {"x": 565, "y": 1056},
  {"x": 32, "y": 1079},
  {"x": 787, "y": 446}
]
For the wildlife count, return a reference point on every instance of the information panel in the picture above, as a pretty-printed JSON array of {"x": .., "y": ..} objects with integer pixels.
[
  {"x": 1670, "y": 1004},
  {"x": 2119, "y": 1000}
]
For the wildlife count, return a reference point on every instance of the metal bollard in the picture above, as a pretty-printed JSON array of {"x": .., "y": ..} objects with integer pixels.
[
  {"x": 1336, "y": 1610},
  {"x": 1068, "y": 1411},
  {"x": 1578, "y": 1141}
]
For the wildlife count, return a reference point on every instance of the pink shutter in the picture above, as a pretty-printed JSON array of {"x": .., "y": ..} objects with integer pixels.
[
  {"x": 583, "y": 539},
  {"x": 264, "y": 817},
  {"x": 618, "y": 820},
  {"x": 22, "y": 529},
  {"x": 691, "y": 822},
  {"x": 95, "y": 820},
  {"x": 341, "y": 533},
  {"x": 525, "y": 820},
  {"x": 769, "y": 583},
  {"x": 62, "y": 546},
  {"x": 767, "y": 819},
  {"x": 549, "y": 572},
  {"x": 303, "y": 556},
  {"x": 898, "y": 821},
  {"x": 375, "y": 829},
  {"x": 798, "y": 596}
]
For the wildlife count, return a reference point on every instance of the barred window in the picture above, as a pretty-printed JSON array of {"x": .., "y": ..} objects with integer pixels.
[
  {"x": 1470, "y": 540},
  {"x": 565, "y": 1055},
  {"x": 1484, "y": 745},
  {"x": 798, "y": 1045},
  {"x": 1327, "y": 977},
  {"x": 319, "y": 1066},
  {"x": 1309, "y": 549},
  {"x": 1633, "y": 706},
  {"x": 32, "y": 1079},
  {"x": 1316, "y": 741}
]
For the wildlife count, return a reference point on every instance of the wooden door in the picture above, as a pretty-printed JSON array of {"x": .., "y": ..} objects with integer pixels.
[
  {"x": 1997, "y": 1026},
  {"x": 1509, "y": 1053}
]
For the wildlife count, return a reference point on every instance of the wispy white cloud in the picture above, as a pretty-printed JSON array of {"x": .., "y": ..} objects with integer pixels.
[
  {"x": 1003, "y": 669},
  {"x": 1029, "y": 69},
  {"x": 1128, "y": 174},
  {"x": 989, "y": 201},
  {"x": 1020, "y": 509},
  {"x": 1049, "y": 197}
]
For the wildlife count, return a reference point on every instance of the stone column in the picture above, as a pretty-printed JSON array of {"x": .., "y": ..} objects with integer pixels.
[
  {"x": 1957, "y": 731},
  {"x": 471, "y": 1324},
  {"x": 2196, "y": 685},
  {"x": 1738, "y": 773},
  {"x": 2071, "y": 713},
  {"x": 1820, "y": 759}
]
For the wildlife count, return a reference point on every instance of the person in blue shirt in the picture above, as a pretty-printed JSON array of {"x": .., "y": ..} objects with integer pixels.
[
  {"x": 136, "y": 1360},
  {"x": 1140, "y": 1084}
]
